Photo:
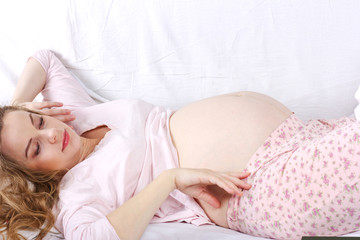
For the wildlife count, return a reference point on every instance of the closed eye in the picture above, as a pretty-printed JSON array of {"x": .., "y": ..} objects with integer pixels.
[
  {"x": 37, "y": 152},
  {"x": 38, "y": 148},
  {"x": 41, "y": 122}
]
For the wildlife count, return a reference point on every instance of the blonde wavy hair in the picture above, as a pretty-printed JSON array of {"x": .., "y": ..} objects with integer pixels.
[{"x": 26, "y": 196}]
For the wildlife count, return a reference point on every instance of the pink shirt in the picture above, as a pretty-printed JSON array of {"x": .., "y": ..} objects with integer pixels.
[{"x": 136, "y": 150}]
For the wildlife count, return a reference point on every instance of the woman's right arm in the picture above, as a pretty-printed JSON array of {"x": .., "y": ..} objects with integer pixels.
[
  {"x": 131, "y": 219},
  {"x": 88, "y": 219}
]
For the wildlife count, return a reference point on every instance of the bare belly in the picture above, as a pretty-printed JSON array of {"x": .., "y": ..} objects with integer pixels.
[{"x": 222, "y": 133}]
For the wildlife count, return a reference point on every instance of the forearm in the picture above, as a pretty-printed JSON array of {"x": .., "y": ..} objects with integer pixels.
[
  {"x": 30, "y": 84},
  {"x": 131, "y": 219}
]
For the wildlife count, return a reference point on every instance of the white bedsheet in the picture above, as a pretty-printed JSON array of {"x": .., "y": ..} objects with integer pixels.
[
  {"x": 304, "y": 53},
  {"x": 182, "y": 231}
]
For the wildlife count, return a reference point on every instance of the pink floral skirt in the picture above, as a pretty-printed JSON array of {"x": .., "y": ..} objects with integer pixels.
[{"x": 305, "y": 181}]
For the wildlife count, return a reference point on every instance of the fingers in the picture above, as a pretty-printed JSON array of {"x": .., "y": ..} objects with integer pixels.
[
  {"x": 238, "y": 182},
  {"x": 47, "y": 104},
  {"x": 61, "y": 114},
  {"x": 224, "y": 182},
  {"x": 240, "y": 175},
  {"x": 39, "y": 105},
  {"x": 65, "y": 118},
  {"x": 49, "y": 108},
  {"x": 56, "y": 111},
  {"x": 231, "y": 183}
]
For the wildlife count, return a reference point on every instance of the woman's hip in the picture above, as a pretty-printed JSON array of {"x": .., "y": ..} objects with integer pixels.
[{"x": 305, "y": 181}]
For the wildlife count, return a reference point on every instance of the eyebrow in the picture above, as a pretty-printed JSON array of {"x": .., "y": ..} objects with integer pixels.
[{"x": 28, "y": 145}]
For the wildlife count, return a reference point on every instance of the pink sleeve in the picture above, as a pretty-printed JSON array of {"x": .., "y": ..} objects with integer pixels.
[
  {"x": 86, "y": 223},
  {"x": 60, "y": 85}
]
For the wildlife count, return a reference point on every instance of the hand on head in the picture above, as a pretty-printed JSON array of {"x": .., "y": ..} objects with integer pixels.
[{"x": 50, "y": 109}]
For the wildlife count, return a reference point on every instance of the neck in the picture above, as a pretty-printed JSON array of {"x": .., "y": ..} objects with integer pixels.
[{"x": 88, "y": 146}]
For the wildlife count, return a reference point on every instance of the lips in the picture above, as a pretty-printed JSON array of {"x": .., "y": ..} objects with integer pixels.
[{"x": 66, "y": 139}]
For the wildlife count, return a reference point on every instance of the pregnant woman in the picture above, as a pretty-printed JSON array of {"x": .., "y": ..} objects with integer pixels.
[{"x": 241, "y": 161}]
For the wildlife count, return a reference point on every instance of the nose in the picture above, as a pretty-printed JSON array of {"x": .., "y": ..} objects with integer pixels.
[{"x": 52, "y": 134}]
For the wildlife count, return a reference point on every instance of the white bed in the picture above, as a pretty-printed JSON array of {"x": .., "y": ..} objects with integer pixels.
[{"x": 171, "y": 52}]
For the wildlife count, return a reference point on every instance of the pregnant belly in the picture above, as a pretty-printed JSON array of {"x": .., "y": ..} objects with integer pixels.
[{"x": 222, "y": 133}]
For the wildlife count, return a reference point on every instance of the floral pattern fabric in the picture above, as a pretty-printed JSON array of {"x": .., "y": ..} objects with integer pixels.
[{"x": 305, "y": 182}]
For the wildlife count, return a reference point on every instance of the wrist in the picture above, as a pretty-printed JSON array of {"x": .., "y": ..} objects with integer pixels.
[{"x": 170, "y": 177}]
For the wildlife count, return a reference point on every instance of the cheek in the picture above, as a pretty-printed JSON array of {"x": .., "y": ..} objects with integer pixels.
[
  {"x": 47, "y": 156},
  {"x": 45, "y": 162}
]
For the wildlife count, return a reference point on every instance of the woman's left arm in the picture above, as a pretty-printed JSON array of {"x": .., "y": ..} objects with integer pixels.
[
  {"x": 131, "y": 219},
  {"x": 31, "y": 82}
]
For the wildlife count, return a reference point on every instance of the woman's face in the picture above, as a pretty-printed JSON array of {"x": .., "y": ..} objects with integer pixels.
[{"x": 39, "y": 142}]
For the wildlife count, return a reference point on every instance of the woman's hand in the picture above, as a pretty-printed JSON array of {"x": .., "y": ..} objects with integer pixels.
[
  {"x": 46, "y": 108},
  {"x": 193, "y": 182}
]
